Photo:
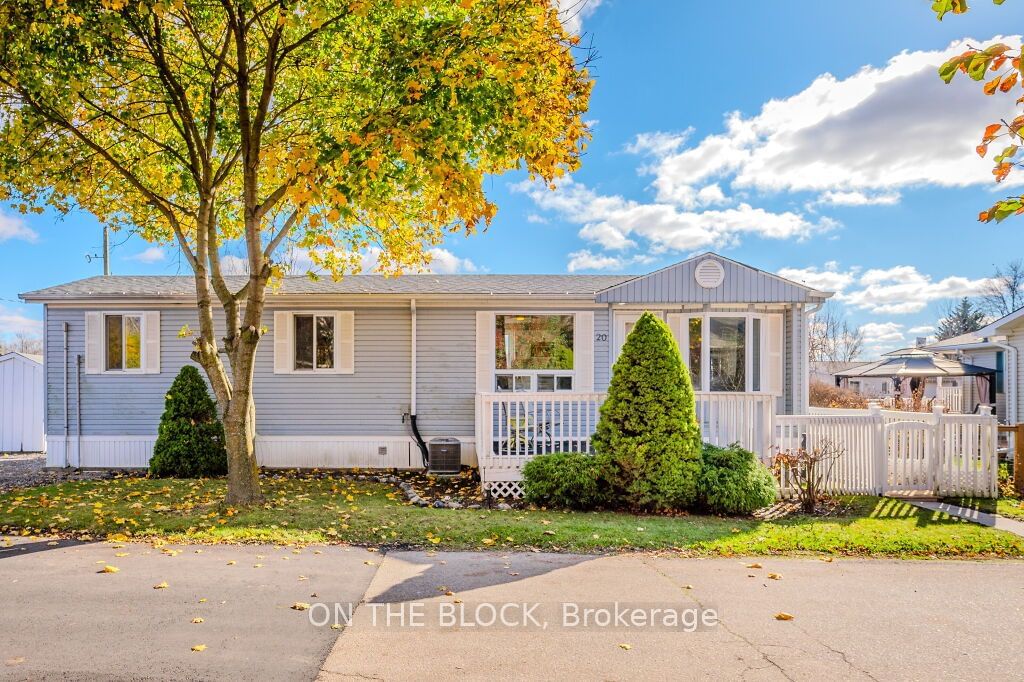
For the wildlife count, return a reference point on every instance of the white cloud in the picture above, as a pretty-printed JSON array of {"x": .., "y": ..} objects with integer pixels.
[
  {"x": 923, "y": 329},
  {"x": 658, "y": 143},
  {"x": 13, "y": 227},
  {"x": 880, "y": 333},
  {"x": 233, "y": 265},
  {"x": 536, "y": 219},
  {"x": 855, "y": 198},
  {"x": 854, "y": 139},
  {"x": 829, "y": 278},
  {"x": 902, "y": 289},
  {"x": 14, "y": 321},
  {"x": 153, "y": 254},
  {"x": 444, "y": 262},
  {"x": 614, "y": 222},
  {"x": 574, "y": 12},
  {"x": 585, "y": 260}
]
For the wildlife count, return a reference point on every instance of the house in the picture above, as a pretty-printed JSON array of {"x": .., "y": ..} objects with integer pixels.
[
  {"x": 511, "y": 365},
  {"x": 825, "y": 371},
  {"x": 998, "y": 345},
  {"x": 21, "y": 403}
]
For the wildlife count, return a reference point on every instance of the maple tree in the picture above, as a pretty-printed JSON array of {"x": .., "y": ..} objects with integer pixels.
[
  {"x": 999, "y": 68},
  {"x": 332, "y": 126}
]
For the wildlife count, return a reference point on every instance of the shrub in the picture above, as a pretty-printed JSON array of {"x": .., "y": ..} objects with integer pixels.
[
  {"x": 822, "y": 394},
  {"x": 190, "y": 441},
  {"x": 732, "y": 481},
  {"x": 564, "y": 479},
  {"x": 647, "y": 434}
]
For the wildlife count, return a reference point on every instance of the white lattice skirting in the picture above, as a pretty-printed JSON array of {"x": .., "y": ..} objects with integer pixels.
[{"x": 513, "y": 489}]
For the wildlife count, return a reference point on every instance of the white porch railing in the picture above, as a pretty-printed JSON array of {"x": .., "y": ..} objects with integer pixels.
[{"x": 512, "y": 428}]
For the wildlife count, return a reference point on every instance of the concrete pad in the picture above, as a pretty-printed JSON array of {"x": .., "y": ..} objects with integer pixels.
[
  {"x": 853, "y": 619},
  {"x": 982, "y": 518},
  {"x": 61, "y": 619}
]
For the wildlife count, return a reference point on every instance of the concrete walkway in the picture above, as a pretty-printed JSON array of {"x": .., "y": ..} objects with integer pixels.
[
  {"x": 852, "y": 619},
  {"x": 983, "y": 518}
]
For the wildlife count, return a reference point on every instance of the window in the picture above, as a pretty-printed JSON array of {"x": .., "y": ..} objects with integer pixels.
[
  {"x": 696, "y": 353},
  {"x": 534, "y": 352},
  {"x": 1000, "y": 362},
  {"x": 314, "y": 342},
  {"x": 728, "y": 353},
  {"x": 122, "y": 342}
]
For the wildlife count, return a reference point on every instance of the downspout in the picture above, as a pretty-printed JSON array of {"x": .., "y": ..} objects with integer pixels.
[
  {"x": 78, "y": 408},
  {"x": 67, "y": 417},
  {"x": 806, "y": 373},
  {"x": 424, "y": 453}
]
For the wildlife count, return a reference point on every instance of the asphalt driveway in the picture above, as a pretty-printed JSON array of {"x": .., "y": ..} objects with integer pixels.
[{"x": 61, "y": 619}]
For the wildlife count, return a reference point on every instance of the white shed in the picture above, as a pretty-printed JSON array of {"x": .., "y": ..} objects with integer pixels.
[{"x": 21, "y": 403}]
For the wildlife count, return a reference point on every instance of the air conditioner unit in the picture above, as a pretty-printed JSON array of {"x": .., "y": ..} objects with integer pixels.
[{"x": 445, "y": 456}]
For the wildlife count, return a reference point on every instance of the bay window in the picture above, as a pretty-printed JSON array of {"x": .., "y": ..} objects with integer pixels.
[{"x": 534, "y": 352}]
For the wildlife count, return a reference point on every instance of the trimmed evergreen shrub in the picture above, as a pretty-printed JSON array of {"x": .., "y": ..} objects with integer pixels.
[
  {"x": 190, "y": 441},
  {"x": 732, "y": 481},
  {"x": 570, "y": 480},
  {"x": 647, "y": 434}
]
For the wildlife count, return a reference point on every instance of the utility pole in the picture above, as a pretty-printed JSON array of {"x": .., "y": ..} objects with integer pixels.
[{"x": 105, "y": 256}]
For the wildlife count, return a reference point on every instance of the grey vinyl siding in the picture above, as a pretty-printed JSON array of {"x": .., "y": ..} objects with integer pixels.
[
  {"x": 446, "y": 371},
  {"x": 676, "y": 284},
  {"x": 602, "y": 349},
  {"x": 787, "y": 353},
  {"x": 369, "y": 402}
]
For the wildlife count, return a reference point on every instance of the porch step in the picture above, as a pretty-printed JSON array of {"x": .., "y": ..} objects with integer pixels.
[{"x": 913, "y": 495}]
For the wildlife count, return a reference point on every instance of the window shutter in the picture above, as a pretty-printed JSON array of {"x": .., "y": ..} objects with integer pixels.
[
  {"x": 484, "y": 351},
  {"x": 772, "y": 364},
  {"x": 345, "y": 342},
  {"x": 151, "y": 330},
  {"x": 283, "y": 356},
  {"x": 583, "y": 360},
  {"x": 93, "y": 343}
]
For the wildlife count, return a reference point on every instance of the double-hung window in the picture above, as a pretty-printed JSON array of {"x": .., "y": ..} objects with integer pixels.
[
  {"x": 314, "y": 342},
  {"x": 122, "y": 342},
  {"x": 534, "y": 352}
]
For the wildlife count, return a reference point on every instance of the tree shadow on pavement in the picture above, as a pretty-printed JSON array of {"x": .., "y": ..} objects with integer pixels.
[{"x": 26, "y": 548}]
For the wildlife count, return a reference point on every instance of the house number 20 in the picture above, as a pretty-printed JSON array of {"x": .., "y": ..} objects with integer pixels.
[{"x": 600, "y": 337}]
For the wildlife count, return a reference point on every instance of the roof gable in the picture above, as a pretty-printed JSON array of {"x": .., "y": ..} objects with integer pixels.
[{"x": 682, "y": 283}]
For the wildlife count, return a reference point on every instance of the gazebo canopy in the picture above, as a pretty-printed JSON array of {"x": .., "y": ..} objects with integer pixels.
[{"x": 915, "y": 362}]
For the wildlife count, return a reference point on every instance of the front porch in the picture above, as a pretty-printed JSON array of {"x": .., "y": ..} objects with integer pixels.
[{"x": 512, "y": 428}]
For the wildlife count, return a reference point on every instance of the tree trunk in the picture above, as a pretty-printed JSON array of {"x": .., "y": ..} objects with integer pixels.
[{"x": 243, "y": 472}]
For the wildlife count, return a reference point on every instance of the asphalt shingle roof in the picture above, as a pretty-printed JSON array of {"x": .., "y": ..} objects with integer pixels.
[{"x": 157, "y": 286}]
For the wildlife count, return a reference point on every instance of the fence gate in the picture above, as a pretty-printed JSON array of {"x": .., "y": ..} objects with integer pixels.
[{"x": 911, "y": 447}]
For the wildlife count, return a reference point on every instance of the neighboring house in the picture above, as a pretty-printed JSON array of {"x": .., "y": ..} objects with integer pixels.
[
  {"x": 870, "y": 387},
  {"x": 998, "y": 345},
  {"x": 21, "y": 403},
  {"x": 344, "y": 362}
]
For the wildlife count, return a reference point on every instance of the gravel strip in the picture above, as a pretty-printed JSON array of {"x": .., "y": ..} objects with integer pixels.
[{"x": 27, "y": 471}]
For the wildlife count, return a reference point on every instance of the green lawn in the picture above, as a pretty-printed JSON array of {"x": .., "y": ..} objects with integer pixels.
[
  {"x": 1009, "y": 507},
  {"x": 318, "y": 510}
]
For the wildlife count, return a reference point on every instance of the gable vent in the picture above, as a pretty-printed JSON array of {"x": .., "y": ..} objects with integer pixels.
[{"x": 709, "y": 273}]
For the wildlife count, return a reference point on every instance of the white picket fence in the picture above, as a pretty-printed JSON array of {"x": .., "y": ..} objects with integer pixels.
[{"x": 886, "y": 451}]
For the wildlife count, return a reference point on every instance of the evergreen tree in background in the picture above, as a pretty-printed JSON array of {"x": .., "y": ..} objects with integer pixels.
[
  {"x": 960, "y": 318},
  {"x": 190, "y": 441},
  {"x": 647, "y": 436}
]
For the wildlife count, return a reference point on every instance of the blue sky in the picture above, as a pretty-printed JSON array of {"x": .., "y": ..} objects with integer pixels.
[{"x": 807, "y": 138}]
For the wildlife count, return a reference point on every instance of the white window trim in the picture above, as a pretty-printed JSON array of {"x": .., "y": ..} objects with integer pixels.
[
  {"x": 333, "y": 314},
  {"x": 141, "y": 369},
  {"x": 534, "y": 372},
  {"x": 705, "y": 347}
]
